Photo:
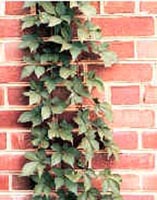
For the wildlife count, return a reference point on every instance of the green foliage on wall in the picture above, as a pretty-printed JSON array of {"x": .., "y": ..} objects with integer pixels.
[{"x": 66, "y": 133}]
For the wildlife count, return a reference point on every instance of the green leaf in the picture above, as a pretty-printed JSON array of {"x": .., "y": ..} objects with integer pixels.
[
  {"x": 58, "y": 105},
  {"x": 30, "y": 41},
  {"x": 94, "y": 81},
  {"x": 29, "y": 168},
  {"x": 50, "y": 85},
  {"x": 40, "y": 170},
  {"x": 39, "y": 71},
  {"x": 109, "y": 58},
  {"x": 53, "y": 21},
  {"x": 34, "y": 98},
  {"x": 66, "y": 135},
  {"x": 45, "y": 112},
  {"x": 60, "y": 8},
  {"x": 27, "y": 71},
  {"x": 48, "y": 7},
  {"x": 59, "y": 182},
  {"x": 73, "y": 4},
  {"x": 82, "y": 34},
  {"x": 73, "y": 187},
  {"x": 76, "y": 49},
  {"x": 28, "y": 4},
  {"x": 53, "y": 131},
  {"x": 65, "y": 72},
  {"x": 105, "y": 108},
  {"x": 29, "y": 21},
  {"x": 83, "y": 196},
  {"x": 65, "y": 46},
  {"x": 87, "y": 9},
  {"x": 56, "y": 159},
  {"x": 31, "y": 156},
  {"x": 74, "y": 176},
  {"x": 114, "y": 186},
  {"x": 25, "y": 117},
  {"x": 68, "y": 158},
  {"x": 56, "y": 39}
]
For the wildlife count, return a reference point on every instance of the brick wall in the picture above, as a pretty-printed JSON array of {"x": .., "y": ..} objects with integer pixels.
[{"x": 131, "y": 87}]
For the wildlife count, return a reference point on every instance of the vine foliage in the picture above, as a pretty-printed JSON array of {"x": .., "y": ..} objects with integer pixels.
[{"x": 65, "y": 132}]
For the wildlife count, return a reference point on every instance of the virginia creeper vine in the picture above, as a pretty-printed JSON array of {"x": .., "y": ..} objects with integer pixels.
[{"x": 65, "y": 132}]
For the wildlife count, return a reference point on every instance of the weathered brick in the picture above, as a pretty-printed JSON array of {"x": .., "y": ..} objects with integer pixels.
[
  {"x": 134, "y": 118},
  {"x": 4, "y": 182},
  {"x": 2, "y": 141},
  {"x": 8, "y": 119},
  {"x": 126, "y": 139},
  {"x": 126, "y": 26},
  {"x": 119, "y": 7},
  {"x": 12, "y": 51},
  {"x": 130, "y": 182},
  {"x": 150, "y": 95},
  {"x": 122, "y": 49},
  {"x": 119, "y": 72},
  {"x": 149, "y": 140},
  {"x": 10, "y": 74},
  {"x": 126, "y": 161},
  {"x": 16, "y": 97},
  {"x": 149, "y": 7},
  {"x": 138, "y": 197},
  {"x": 147, "y": 49},
  {"x": 21, "y": 183},
  {"x": 149, "y": 182},
  {"x": 10, "y": 28},
  {"x": 125, "y": 95},
  {"x": 1, "y": 96},
  {"x": 11, "y": 162},
  {"x": 21, "y": 141},
  {"x": 15, "y": 8}
]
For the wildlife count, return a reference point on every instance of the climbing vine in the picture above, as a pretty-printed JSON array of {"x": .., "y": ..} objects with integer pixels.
[{"x": 66, "y": 132}]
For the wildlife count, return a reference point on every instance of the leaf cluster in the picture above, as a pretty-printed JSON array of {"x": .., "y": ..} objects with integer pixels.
[{"x": 63, "y": 148}]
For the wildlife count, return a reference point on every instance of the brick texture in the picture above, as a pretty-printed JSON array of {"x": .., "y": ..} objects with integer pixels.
[
  {"x": 130, "y": 27},
  {"x": 119, "y": 7},
  {"x": 126, "y": 26}
]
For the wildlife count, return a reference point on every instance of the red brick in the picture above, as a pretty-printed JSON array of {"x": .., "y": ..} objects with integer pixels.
[
  {"x": 126, "y": 140},
  {"x": 149, "y": 182},
  {"x": 125, "y": 95},
  {"x": 21, "y": 141},
  {"x": 147, "y": 49},
  {"x": 150, "y": 95},
  {"x": 2, "y": 140},
  {"x": 15, "y": 196},
  {"x": 1, "y": 96},
  {"x": 8, "y": 119},
  {"x": 12, "y": 51},
  {"x": 10, "y": 28},
  {"x": 134, "y": 118},
  {"x": 124, "y": 72},
  {"x": 21, "y": 183},
  {"x": 126, "y": 26},
  {"x": 11, "y": 162},
  {"x": 149, "y": 7},
  {"x": 10, "y": 74},
  {"x": 130, "y": 182},
  {"x": 149, "y": 140},
  {"x": 16, "y": 97},
  {"x": 122, "y": 49},
  {"x": 15, "y": 8},
  {"x": 119, "y": 7},
  {"x": 138, "y": 197},
  {"x": 126, "y": 161},
  {"x": 4, "y": 182}
]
